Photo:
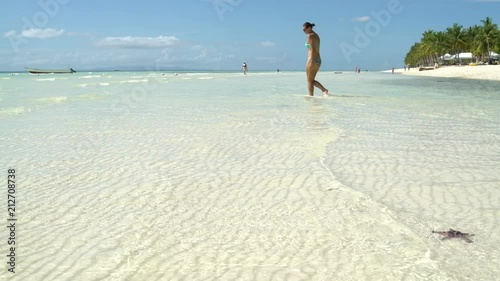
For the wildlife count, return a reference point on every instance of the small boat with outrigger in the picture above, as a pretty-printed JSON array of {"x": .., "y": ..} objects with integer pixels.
[{"x": 50, "y": 71}]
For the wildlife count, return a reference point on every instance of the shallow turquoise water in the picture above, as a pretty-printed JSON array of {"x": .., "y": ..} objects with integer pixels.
[{"x": 222, "y": 176}]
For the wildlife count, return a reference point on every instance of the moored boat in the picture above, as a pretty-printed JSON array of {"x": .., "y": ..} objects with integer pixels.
[{"x": 50, "y": 71}]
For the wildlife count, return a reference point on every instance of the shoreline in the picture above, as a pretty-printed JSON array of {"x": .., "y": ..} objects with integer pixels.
[{"x": 481, "y": 72}]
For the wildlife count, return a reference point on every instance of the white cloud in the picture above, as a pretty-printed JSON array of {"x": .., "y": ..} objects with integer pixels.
[
  {"x": 129, "y": 42},
  {"x": 267, "y": 44},
  {"x": 8, "y": 34},
  {"x": 41, "y": 33},
  {"x": 361, "y": 19}
]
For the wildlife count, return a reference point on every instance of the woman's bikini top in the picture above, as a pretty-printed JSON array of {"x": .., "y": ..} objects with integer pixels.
[{"x": 309, "y": 45}]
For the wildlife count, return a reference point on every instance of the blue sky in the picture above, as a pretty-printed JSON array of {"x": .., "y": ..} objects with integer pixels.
[{"x": 221, "y": 34}]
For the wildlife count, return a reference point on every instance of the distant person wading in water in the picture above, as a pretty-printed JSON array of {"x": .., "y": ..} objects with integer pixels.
[
  {"x": 244, "y": 67},
  {"x": 313, "y": 59}
]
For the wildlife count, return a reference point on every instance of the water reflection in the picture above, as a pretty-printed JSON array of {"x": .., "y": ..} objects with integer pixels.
[{"x": 317, "y": 113}]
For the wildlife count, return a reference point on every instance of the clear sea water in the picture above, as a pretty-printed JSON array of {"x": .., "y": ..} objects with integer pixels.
[{"x": 220, "y": 176}]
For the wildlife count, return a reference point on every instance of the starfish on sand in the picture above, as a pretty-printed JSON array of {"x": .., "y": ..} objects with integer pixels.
[{"x": 454, "y": 234}]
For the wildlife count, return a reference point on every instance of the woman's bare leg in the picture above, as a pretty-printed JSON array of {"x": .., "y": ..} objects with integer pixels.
[
  {"x": 323, "y": 89},
  {"x": 312, "y": 69}
]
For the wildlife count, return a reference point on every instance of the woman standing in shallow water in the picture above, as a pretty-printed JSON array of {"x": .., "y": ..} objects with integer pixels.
[{"x": 313, "y": 59}]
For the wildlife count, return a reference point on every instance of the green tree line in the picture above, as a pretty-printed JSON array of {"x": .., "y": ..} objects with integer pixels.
[{"x": 480, "y": 40}]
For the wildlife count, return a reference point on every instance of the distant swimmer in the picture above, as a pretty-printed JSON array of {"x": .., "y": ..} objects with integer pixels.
[
  {"x": 244, "y": 67},
  {"x": 313, "y": 59}
]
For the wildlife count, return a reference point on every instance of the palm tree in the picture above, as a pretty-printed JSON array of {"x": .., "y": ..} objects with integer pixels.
[
  {"x": 432, "y": 46},
  {"x": 428, "y": 45},
  {"x": 456, "y": 40},
  {"x": 413, "y": 57},
  {"x": 475, "y": 42},
  {"x": 489, "y": 34},
  {"x": 480, "y": 40},
  {"x": 441, "y": 43},
  {"x": 497, "y": 47}
]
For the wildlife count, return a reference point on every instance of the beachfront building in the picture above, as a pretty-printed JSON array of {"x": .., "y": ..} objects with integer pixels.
[{"x": 468, "y": 57}]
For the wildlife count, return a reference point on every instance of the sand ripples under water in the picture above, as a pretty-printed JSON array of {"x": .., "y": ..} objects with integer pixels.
[{"x": 244, "y": 178}]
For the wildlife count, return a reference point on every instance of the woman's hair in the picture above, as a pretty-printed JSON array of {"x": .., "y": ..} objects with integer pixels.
[{"x": 308, "y": 24}]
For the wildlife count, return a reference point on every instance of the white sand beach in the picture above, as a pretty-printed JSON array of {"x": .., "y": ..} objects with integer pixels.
[{"x": 484, "y": 72}]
